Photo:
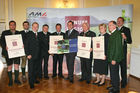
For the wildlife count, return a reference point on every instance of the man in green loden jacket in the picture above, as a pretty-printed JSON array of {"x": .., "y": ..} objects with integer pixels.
[{"x": 115, "y": 55}]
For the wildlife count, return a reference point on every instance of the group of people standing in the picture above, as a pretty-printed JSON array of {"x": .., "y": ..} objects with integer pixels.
[{"x": 36, "y": 45}]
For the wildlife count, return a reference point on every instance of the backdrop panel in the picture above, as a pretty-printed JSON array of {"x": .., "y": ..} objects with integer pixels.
[{"x": 94, "y": 16}]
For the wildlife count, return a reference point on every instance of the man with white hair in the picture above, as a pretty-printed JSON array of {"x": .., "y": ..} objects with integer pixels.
[
  {"x": 115, "y": 56},
  {"x": 86, "y": 64}
]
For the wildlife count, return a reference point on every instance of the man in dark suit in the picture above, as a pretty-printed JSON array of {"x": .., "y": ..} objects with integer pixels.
[
  {"x": 10, "y": 61},
  {"x": 24, "y": 38},
  {"x": 86, "y": 64},
  {"x": 126, "y": 35},
  {"x": 71, "y": 33},
  {"x": 115, "y": 56},
  {"x": 32, "y": 52},
  {"x": 58, "y": 57},
  {"x": 44, "y": 47}
]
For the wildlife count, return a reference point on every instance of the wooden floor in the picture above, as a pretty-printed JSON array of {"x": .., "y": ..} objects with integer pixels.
[{"x": 58, "y": 85}]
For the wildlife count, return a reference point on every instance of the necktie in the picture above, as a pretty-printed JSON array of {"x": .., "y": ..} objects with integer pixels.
[
  {"x": 84, "y": 34},
  {"x": 36, "y": 35},
  {"x": 69, "y": 33}
]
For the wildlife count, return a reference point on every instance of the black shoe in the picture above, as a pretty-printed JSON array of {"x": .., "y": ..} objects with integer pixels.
[
  {"x": 46, "y": 77},
  {"x": 17, "y": 82},
  {"x": 114, "y": 91},
  {"x": 88, "y": 82},
  {"x": 71, "y": 81},
  {"x": 80, "y": 80},
  {"x": 10, "y": 83},
  {"x": 37, "y": 82},
  {"x": 101, "y": 84},
  {"x": 67, "y": 78},
  {"x": 53, "y": 76},
  {"x": 61, "y": 76},
  {"x": 96, "y": 83},
  {"x": 109, "y": 88},
  {"x": 31, "y": 86}
]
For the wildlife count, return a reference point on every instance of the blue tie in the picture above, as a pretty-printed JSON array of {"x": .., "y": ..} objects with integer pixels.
[{"x": 69, "y": 33}]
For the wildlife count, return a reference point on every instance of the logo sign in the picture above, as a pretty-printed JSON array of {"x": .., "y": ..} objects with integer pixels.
[
  {"x": 37, "y": 14},
  {"x": 98, "y": 45},
  {"x": 14, "y": 43},
  {"x": 83, "y": 44}
]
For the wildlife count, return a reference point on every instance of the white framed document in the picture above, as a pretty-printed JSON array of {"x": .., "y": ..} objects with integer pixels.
[
  {"x": 84, "y": 45},
  {"x": 15, "y": 46},
  {"x": 98, "y": 47},
  {"x": 53, "y": 43}
]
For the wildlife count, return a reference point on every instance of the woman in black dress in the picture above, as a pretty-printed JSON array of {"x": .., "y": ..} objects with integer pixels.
[{"x": 101, "y": 65}]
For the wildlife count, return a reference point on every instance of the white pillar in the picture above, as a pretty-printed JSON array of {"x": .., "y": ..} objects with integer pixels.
[
  {"x": 81, "y": 4},
  {"x": 47, "y": 3},
  {"x": 10, "y": 10}
]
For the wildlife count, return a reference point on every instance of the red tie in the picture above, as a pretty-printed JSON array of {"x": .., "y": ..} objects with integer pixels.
[{"x": 36, "y": 35}]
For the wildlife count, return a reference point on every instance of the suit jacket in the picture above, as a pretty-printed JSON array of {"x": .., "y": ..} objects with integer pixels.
[
  {"x": 89, "y": 34},
  {"x": 127, "y": 32},
  {"x": 32, "y": 45},
  {"x": 73, "y": 35},
  {"x": 115, "y": 47},
  {"x": 61, "y": 33},
  {"x": 24, "y": 37},
  {"x": 44, "y": 42},
  {"x": 106, "y": 38},
  {"x": 3, "y": 41}
]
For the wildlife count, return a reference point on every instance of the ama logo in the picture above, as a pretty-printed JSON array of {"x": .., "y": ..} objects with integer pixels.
[{"x": 38, "y": 14}]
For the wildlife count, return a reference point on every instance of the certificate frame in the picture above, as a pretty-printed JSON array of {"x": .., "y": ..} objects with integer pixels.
[
  {"x": 53, "y": 44},
  {"x": 98, "y": 47},
  {"x": 84, "y": 45},
  {"x": 15, "y": 46}
]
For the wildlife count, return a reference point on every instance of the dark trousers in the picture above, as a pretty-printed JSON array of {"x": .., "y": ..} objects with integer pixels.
[
  {"x": 70, "y": 58},
  {"x": 86, "y": 65},
  {"x": 12, "y": 61},
  {"x": 32, "y": 70},
  {"x": 57, "y": 58},
  {"x": 123, "y": 65},
  {"x": 45, "y": 67},
  {"x": 114, "y": 74}
]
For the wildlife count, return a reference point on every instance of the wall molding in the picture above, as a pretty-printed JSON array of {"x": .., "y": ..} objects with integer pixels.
[
  {"x": 47, "y": 3},
  {"x": 10, "y": 10},
  {"x": 81, "y": 4}
]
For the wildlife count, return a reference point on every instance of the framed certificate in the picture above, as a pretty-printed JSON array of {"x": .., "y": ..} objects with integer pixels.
[
  {"x": 15, "y": 46},
  {"x": 54, "y": 43},
  {"x": 63, "y": 46},
  {"x": 98, "y": 47},
  {"x": 84, "y": 45},
  {"x": 67, "y": 46}
]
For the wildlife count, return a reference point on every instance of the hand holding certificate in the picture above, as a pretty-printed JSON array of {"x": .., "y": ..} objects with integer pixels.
[
  {"x": 53, "y": 44},
  {"x": 14, "y": 45},
  {"x": 84, "y": 46}
]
